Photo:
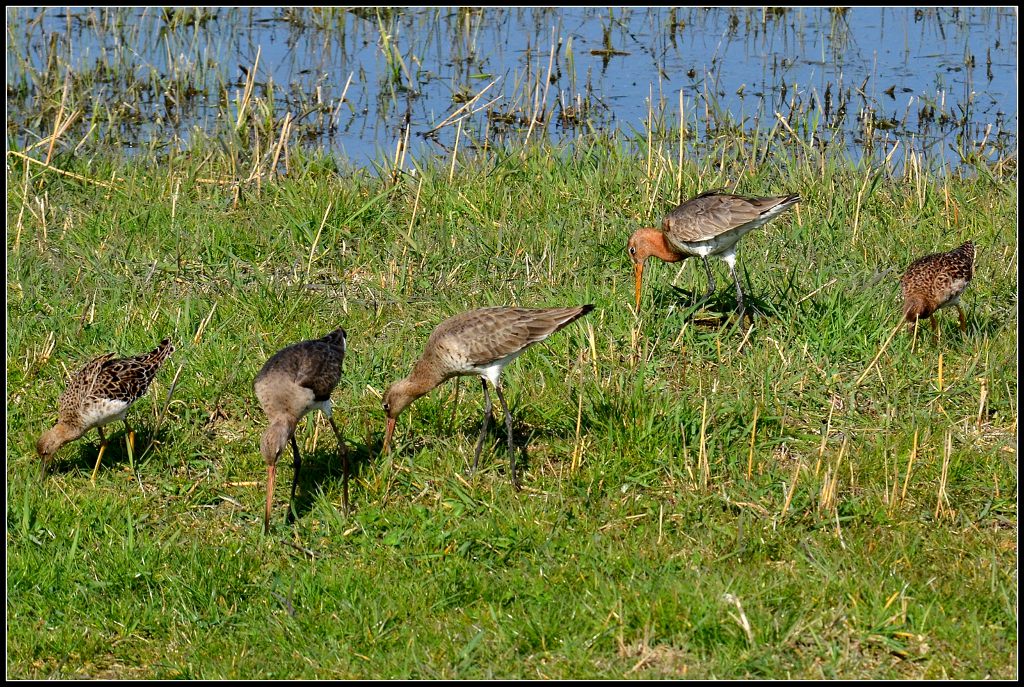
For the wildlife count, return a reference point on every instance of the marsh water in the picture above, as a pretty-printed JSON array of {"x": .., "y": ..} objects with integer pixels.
[{"x": 363, "y": 84}]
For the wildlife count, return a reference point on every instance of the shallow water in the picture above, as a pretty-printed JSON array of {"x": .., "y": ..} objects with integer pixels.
[{"x": 362, "y": 81}]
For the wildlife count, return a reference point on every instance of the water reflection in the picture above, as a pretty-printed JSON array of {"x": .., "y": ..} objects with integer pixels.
[{"x": 360, "y": 82}]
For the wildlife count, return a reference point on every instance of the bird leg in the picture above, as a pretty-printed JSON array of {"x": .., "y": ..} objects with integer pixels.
[
  {"x": 297, "y": 465},
  {"x": 731, "y": 261},
  {"x": 103, "y": 447},
  {"x": 343, "y": 450},
  {"x": 963, "y": 318},
  {"x": 508, "y": 426},
  {"x": 130, "y": 438},
  {"x": 935, "y": 326},
  {"x": 483, "y": 430},
  {"x": 711, "y": 280}
]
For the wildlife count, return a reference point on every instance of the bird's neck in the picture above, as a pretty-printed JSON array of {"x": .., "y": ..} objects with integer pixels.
[
  {"x": 422, "y": 379},
  {"x": 652, "y": 242},
  {"x": 403, "y": 392},
  {"x": 63, "y": 432}
]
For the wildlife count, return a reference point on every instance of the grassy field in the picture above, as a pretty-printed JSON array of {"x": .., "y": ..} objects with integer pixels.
[{"x": 701, "y": 500}]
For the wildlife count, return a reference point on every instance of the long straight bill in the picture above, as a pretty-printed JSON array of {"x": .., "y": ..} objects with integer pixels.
[
  {"x": 639, "y": 269},
  {"x": 271, "y": 473},
  {"x": 387, "y": 435}
]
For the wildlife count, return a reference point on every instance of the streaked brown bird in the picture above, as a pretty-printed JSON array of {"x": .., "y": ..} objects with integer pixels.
[
  {"x": 294, "y": 381},
  {"x": 101, "y": 393},
  {"x": 481, "y": 343},
  {"x": 710, "y": 224},
  {"x": 937, "y": 281}
]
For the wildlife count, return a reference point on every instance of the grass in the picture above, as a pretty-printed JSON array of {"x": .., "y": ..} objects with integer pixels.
[{"x": 856, "y": 529}]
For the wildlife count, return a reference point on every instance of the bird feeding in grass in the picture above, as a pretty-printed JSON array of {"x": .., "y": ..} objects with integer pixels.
[
  {"x": 101, "y": 393},
  {"x": 710, "y": 224},
  {"x": 294, "y": 381},
  {"x": 477, "y": 343},
  {"x": 937, "y": 281}
]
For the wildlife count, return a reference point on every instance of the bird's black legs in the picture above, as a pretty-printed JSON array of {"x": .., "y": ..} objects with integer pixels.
[
  {"x": 730, "y": 259},
  {"x": 508, "y": 426},
  {"x": 711, "y": 279},
  {"x": 488, "y": 413},
  {"x": 739, "y": 293},
  {"x": 483, "y": 429}
]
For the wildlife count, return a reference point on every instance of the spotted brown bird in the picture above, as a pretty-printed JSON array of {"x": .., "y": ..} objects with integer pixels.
[
  {"x": 101, "y": 393},
  {"x": 294, "y": 381},
  {"x": 937, "y": 281},
  {"x": 710, "y": 224},
  {"x": 477, "y": 343}
]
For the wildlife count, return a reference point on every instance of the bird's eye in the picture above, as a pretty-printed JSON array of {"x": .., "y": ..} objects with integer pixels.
[
  {"x": 387, "y": 407},
  {"x": 632, "y": 250}
]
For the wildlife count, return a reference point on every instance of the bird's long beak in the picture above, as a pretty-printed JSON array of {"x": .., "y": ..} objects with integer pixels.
[
  {"x": 639, "y": 269},
  {"x": 44, "y": 466},
  {"x": 271, "y": 473},
  {"x": 387, "y": 435}
]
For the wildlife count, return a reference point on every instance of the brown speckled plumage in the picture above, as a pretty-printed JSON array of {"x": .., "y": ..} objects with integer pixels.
[
  {"x": 101, "y": 393},
  {"x": 294, "y": 381},
  {"x": 481, "y": 343},
  {"x": 937, "y": 281},
  {"x": 709, "y": 224}
]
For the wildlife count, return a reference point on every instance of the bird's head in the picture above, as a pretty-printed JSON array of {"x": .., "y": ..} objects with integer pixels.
[
  {"x": 273, "y": 441},
  {"x": 396, "y": 399},
  {"x": 644, "y": 243},
  {"x": 51, "y": 441}
]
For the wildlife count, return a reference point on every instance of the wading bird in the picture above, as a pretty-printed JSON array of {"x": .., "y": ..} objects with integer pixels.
[
  {"x": 294, "y": 381},
  {"x": 477, "y": 343},
  {"x": 710, "y": 224},
  {"x": 937, "y": 281},
  {"x": 99, "y": 394}
]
